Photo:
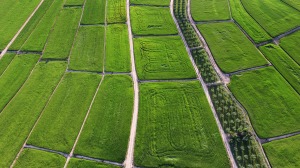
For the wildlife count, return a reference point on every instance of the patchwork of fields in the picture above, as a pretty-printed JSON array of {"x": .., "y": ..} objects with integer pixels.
[{"x": 149, "y": 83}]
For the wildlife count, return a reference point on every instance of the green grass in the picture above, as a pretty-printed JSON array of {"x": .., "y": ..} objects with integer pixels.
[
  {"x": 287, "y": 67},
  {"x": 293, "y": 3},
  {"x": 272, "y": 104},
  {"x": 253, "y": 29},
  {"x": 5, "y": 61},
  {"x": 64, "y": 115},
  {"x": 88, "y": 51},
  {"x": 31, "y": 158},
  {"x": 284, "y": 153},
  {"x": 117, "y": 57},
  {"x": 74, "y": 2},
  {"x": 116, "y": 11},
  {"x": 61, "y": 38},
  {"x": 13, "y": 15},
  {"x": 162, "y": 58},
  {"x": 78, "y": 163},
  {"x": 21, "y": 113},
  {"x": 205, "y": 10},
  {"x": 176, "y": 128},
  {"x": 106, "y": 132},
  {"x": 151, "y": 21},
  {"x": 15, "y": 76},
  {"x": 94, "y": 12},
  {"x": 151, "y": 2},
  {"x": 291, "y": 45},
  {"x": 273, "y": 15},
  {"x": 230, "y": 47}
]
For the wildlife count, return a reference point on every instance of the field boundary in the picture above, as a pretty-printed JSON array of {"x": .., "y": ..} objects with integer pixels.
[
  {"x": 248, "y": 69},
  {"x": 267, "y": 140}
]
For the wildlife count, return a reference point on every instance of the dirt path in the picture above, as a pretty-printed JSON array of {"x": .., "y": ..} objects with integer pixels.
[
  {"x": 128, "y": 163},
  {"x": 20, "y": 30},
  {"x": 223, "y": 135},
  {"x": 279, "y": 137}
]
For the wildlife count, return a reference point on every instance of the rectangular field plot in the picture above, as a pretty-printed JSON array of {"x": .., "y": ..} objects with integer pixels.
[
  {"x": 21, "y": 113},
  {"x": 61, "y": 38},
  {"x": 176, "y": 128},
  {"x": 205, "y": 10},
  {"x": 74, "y": 2},
  {"x": 272, "y": 104},
  {"x": 253, "y": 29},
  {"x": 14, "y": 77},
  {"x": 230, "y": 47},
  {"x": 36, "y": 158},
  {"x": 293, "y": 3},
  {"x": 151, "y": 21},
  {"x": 117, "y": 58},
  {"x": 94, "y": 12},
  {"x": 88, "y": 51},
  {"x": 116, "y": 11},
  {"x": 5, "y": 61},
  {"x": 286, "y": 66},
  {"x": 79, "y": 163},
  {"x": 162, "y": 58},
  {"x": 273, "y": 15},
  {"x": 284, "y": 153},
  {"x": 64, "y": 115},
  {"x": 106, "y": 132},
  {"x": 151, "y": 2},
  {"x": 291, "y": 45}
]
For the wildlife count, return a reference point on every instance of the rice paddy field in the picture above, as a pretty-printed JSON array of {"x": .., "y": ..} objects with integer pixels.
[{"x": 149, "y": 83}]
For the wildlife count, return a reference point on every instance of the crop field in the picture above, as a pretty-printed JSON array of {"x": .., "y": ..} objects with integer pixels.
[
  {"x": 295, "y": 4},
  {"x": 162, "y": 58},
  {"x": 116, "y": 11},
  {"x": 5, "y": 61},
  {"x": 230, "y": 48},
  {"x": 94, "y": 12},
  {"x": 175, "y": 125},
  {"x": 151, "y": 2},
  {"x": 77, "y": 163},
  {"x": 152, "y": 21},
  {"x": 74, "y": 2},
  {"x": 206, "y": 10},
  {"x": 291, "y": 45}
]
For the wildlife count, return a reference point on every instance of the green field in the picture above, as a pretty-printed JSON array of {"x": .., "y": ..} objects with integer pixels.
[
  {"x": 273, "y": 15},
  {"x": 21, "y": 113},
  {"x": 63, "y": 116},
  {"x": 88, "y": 51},
  {"x": 291, "y": 45},
  {"x": 162, "y": 58},
  {"x": 176, "y": 128},
  {"x": 74, "y": 2},
  {"x": 151, "y": 2},
  {"x": 286, "y": 66},
  {"x": 94, "y": 12},
  {"x": 15, "y": 76},
  {"x": 284, "y": 153},
  {"x": 230, "y": 47},
  {"x": 272, "y": 104},
  {"x": 116, "y": 11},
  {"x": 117, "y": 58},
  {"x": 78, "y": 163},
  {"x": 5, "y": 61},
  {"x": 31, "y": 158},
  {"x": 253, "y": 29},
  {"x": 206, "y": 10},
  {"x": 106, "y": 132},
  {"x": 61, "y": 38},
  {"x": 151, "y": 21},
  {"x": 293, "y": 3}
]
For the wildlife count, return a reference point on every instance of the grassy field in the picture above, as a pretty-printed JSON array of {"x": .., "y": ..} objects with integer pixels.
[
  {"x": 106, "y": 132},
  {"x": 21, "y": 113},
  {"x": 151, "y": 21},
  {"x": 291, "y": 45},
  {"x": 116, "y": 11},
  {"x": 253, "y": 29},
  {"x": 61, "y": 38},
  {"x": 117, "y": 57},
  {"x": 88, "y": 51},
  {"x": 74, "y": 2},
  {"x": 176, "y": 128},
  {"x": 286, "y": 66},
  {"x": 293, "y": 3},
  {"x": 205, "y": 10},
  {"x": 151, "y": 2},
  {"x": 162, "y": 58},
  {"x": 230, "y": 47},
  {"x": 13, "y": 15},
  {"x": 78, "y": 163},
  {"x": 284, "y": 153},
  {"x": 272, "y": 104},
  {"x": 273, "y": 15},
  {"x": 94, "y": 12},
  {"x": 63, "y": 116},
  {"x": 36, "y": 158},
  {"x": 5, "y": 61},
  {"x": 15, "y": 76}
]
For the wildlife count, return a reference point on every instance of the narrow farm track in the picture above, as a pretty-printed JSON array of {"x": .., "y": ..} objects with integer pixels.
[
  {"x": 128, "y": 163},
  {"x": 20, "y": 30},
  {"x": 204, "y": 86},
  {"x": 248, "y": 69},
  {"x": 173, "y": 80},
  {"x": 279, "y": 137}
]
